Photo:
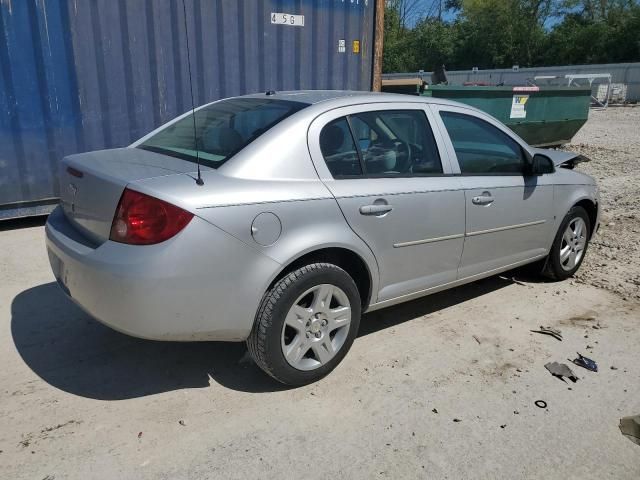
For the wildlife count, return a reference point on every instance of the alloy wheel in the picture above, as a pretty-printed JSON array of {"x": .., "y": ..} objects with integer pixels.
[
  {"x": 574, "y": 241},
  {"x": 316, "y": 327}
]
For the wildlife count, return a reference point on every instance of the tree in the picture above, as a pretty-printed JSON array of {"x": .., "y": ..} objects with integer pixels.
[
  {"x": 406, "y": 11},
  {"x": 432, "y": 44},
  {"x": 609, "y": 34},
  {"x": 501, "y": 33}
]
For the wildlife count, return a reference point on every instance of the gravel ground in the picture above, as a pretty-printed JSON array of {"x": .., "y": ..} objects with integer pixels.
[
  {"x": 441, "y": 387},
  {"x": 611, "y": 138}
]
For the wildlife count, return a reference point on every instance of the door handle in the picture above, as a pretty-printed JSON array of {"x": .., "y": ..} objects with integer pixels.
[
  {"x": 375, "y": 209},
  {"x": 484, "y": 199}
]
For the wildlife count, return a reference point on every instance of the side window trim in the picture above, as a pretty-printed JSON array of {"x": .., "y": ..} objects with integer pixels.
[
  {"x": 358, "y": 150},
  {"x": 438, "y": 109}
]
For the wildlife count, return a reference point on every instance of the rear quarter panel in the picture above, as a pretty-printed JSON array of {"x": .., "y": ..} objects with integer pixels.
[
  {"x": 199, "y": 285},
  {"x": 307, "y": 226}
]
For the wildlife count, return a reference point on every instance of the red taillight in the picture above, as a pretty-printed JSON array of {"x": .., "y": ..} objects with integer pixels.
[{"x": 144, "y": 220}]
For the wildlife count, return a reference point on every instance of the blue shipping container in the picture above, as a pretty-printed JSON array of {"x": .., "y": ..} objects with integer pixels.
[{"x": 92, "y": 74}]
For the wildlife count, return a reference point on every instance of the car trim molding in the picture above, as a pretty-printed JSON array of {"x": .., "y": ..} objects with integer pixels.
[
  {"x": 389, "y": 194},
  {"x": 264, "y": 202},
  {"x": 427, "y": 240},
  {"x": 468, "y": 234},
  {"x": 501, "y": 229}
]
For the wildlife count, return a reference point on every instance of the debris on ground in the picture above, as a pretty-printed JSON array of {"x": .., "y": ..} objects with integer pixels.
[
  {"x": 561, "y": 370},
  {"x": 139, "y": 434},
  {"x": 630, "y": 428},
  {"x": 585, "y": 362},
  {"x": 181, "y": 422},
  {"x": 555, "y": 333},
  {"x": 613, "y": 368},
  {"x": 457, "y": 420},
  {"x": 435, "y": 410},
  {"x": 476, "y": 339},
  {"x": 512, "y": 279},
  {"x": 540, "y": 404}
]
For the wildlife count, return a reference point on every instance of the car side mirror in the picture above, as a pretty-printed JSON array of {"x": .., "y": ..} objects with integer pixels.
[{"x": 539, "y": 165}]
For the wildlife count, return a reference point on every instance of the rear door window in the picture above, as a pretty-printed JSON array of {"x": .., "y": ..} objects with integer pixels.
[{"x": 387, "y": 143}]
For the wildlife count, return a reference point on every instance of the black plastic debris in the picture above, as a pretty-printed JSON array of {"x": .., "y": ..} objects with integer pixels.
[
  {"x": 540, "y": 404},
  {"x": 561, "y": 370},
  {"x": 630, "y": 428},
  {"x": 585, "y": 362},
  {"x": 553, "y": 332}
]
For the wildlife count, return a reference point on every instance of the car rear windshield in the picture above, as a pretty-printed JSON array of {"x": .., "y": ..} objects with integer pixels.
[{"x": 221, "y": 129}]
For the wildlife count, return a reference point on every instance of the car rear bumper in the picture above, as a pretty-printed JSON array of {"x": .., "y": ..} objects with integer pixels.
[{"x": 202, "y": 284}]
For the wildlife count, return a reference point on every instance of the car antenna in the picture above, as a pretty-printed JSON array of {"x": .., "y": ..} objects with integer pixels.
[{"x": 199, "y": 180}]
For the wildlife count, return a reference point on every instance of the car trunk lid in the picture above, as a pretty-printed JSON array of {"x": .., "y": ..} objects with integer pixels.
[{"x": 92, "y": 183}]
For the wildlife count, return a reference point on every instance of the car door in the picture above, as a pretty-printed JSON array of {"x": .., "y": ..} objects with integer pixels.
[
  {"x": 382, "y": 163},
  {"x": 508, "y": 213}
]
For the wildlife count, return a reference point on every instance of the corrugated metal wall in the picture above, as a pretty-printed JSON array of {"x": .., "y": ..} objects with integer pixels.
[
  {"x": 79, "y": 75},
  {"x": 628, "y": 73}
]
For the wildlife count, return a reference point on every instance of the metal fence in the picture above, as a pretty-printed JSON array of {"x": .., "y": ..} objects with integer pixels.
[
  {"x": 91, "y": 74},
  {"x": 626, "y": 73}
]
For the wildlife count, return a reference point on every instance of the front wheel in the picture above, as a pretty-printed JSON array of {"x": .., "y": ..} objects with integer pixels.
[
  {"x": 570, "y": 245},
  {"x": 306, "y": 324}
]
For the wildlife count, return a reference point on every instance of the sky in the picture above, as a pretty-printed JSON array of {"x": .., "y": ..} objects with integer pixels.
[{"x": 427, "y": 4}]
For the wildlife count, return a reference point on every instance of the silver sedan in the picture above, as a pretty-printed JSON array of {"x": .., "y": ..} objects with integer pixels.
[{"x": 277, "y": 219}]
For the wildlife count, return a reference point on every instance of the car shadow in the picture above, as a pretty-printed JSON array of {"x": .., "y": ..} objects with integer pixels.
[
  {"x": 20, "y": 223},
  {"x": 392, "y": 316},
  {"x": 73, "y": 352}
]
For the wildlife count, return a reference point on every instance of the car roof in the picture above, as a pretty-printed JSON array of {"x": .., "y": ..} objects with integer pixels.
[{"x": 312, "y": 97}]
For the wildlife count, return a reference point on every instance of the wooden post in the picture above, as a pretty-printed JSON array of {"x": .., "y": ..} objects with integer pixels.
[{"x": 378, "y": 37}]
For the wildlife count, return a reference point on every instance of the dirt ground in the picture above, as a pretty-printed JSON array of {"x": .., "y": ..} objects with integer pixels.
[
  {"x": 611, "y": 138},
  {"x": 442, "y": 387}
]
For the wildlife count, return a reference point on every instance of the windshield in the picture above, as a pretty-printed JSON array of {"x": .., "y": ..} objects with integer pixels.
[{"x": 222, "y": 129}]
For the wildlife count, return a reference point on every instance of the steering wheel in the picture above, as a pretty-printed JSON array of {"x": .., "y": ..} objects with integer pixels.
[{"x": 404, "y": 155}]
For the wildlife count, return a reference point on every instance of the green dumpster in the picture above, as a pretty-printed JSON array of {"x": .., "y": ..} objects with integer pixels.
[{"x": 542, "y": 116}]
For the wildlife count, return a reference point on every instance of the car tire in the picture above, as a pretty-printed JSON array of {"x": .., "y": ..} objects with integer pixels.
[
  {"x": 569, "y": 241},
  {"x": 293, "y": 317}
]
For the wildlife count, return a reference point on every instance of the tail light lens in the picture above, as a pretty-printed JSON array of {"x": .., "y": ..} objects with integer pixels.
[{"x": 144, "y": 220}]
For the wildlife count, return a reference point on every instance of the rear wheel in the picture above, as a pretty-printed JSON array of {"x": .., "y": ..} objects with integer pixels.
[
  {"x": 306, "y": 324},
  {"x": 570, "y": 245}
]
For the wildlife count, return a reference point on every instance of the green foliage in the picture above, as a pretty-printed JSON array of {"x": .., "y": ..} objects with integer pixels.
[
  {"x": 611, "y": 35},
  {"x": 502, "y": 33}
]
